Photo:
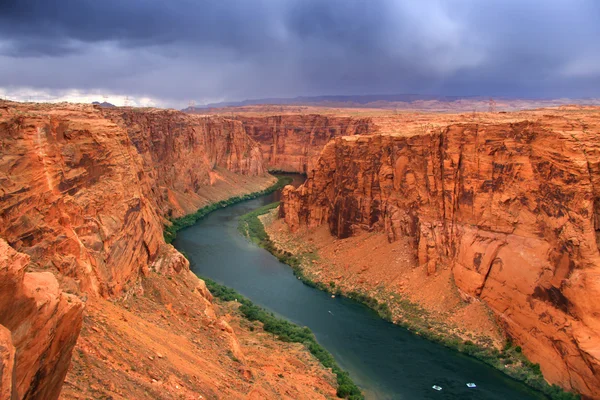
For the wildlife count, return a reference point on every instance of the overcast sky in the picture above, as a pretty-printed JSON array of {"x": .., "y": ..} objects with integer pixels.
[{"x": 167, "y": 53}]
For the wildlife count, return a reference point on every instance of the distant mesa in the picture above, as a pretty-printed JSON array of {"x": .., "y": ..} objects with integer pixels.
[
  {"x": 104, "y": 104},
  {"x": 341, "y": 100},
  {"x": 397, "y": 102},
  {"x": 320, "y": 101}
]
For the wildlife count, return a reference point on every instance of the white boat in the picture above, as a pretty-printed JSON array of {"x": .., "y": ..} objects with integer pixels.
[
  {"x": 436, "y": 387},
  {"x": 471, "y": 385}
]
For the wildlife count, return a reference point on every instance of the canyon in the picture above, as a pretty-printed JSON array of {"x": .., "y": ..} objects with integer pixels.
[
  {"x": 486, "y": 220},
  {"x": 501, "y": 208},
  {"x": 85, "y": 270}
]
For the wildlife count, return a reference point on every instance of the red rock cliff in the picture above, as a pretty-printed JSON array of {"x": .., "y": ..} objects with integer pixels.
[
  {"x": 38, "y": 329},
  {"x": 293, "y": 142},
  {"x": 184, "y": 155},
  {"x": 84, "y": 193},
  {"x": 513, "y": 209}
]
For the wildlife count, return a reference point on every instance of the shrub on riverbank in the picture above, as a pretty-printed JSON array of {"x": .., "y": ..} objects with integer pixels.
[
  {"x": 281, "y": 171},
  {"x": 250, "y": 226},
  {"x": 288, "y": 332},
  {"x": 170, "y": 231}
]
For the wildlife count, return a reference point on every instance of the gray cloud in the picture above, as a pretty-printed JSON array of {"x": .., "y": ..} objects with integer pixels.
[{"x": 227, "y": 49}]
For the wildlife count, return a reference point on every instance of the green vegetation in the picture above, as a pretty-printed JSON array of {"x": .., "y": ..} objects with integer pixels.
[
  {"x": 170, "y": 231},
  {"x": 380, "y": 307},
  {"x": 281, "y": 171},
  {"x": 510, "y": 360},
  {"x": 249, "y": 225},
  {"x": 288, "y": 332}
]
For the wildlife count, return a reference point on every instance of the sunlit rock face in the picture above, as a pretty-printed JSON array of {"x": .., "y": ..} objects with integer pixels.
[
  {"x": 39, "y": 325},
  {"x": 512, "y": 208},
  {"x": 86, "y": 190},
  {"x": 84, "y": 194}
]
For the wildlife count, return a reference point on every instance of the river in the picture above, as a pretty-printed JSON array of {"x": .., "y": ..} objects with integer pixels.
[{"x": 385, "y": 360}]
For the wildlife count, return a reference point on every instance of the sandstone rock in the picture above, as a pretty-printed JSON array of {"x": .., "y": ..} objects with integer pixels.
[
  {"x": 39, "y": 326},
  {"x": 293, "y": 142},
  {"x": 84, "y": 194},
  {"x": 512, "y": 208},
  {"x": 169, "y": 261},
  {"x": 203, "y": 290},
  {"x": 7, "y": 363},
  {"x": 183, "y": 154},
  {"x": 86, "y": 191},
  {"x": 75, "y": 197}
]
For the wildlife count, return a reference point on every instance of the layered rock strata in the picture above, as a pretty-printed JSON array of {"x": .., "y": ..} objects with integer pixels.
[
  {"x": 187, "y": 156},
  {"x": 85, "y": 191},
  {"x": 39, "y": 325},
  {"x": 511, "y": 208},
  {"x": 84, "y": 194},
  {"x": 293, "y": 143}
]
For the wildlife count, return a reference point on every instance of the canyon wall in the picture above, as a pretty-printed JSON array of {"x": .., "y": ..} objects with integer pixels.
[
  {"x": 513, "y": 209},
  {"x": 75, "y": 197},
  {"x": 292, "y": 143},
  {"x": 39, "y": 325},
  {"x": 186, "y": 156},
  {"x": 84, "y": 193}
]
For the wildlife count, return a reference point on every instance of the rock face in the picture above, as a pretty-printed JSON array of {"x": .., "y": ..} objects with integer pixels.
[
  {"x": 175, "y": 342},
  {"x": 184, "y": 154},
  {"x": 39, "y": 325},
  {"x": 7, "y": 365},
  {"x": 84, "y": 193},
  {"x": 293, "y": 143},
  {"x": 75, "y": 197},
  {"x": 512, "y": 208}
]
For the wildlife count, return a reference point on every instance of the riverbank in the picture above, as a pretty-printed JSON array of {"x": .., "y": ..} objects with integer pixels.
[
  {"x": 168, "y": 338},
  {"x": 399, "y": 310},
  {"x": 171, "y": 340},
  {"x": 283, "y": 330},
  {"x": 176, "y": 224},
  {"x": 289, "y": 333}
]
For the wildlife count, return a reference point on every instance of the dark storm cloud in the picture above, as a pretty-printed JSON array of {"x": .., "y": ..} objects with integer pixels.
[
  {"x": 135, "y": 22},
  {"x": 181, "y": 49}
]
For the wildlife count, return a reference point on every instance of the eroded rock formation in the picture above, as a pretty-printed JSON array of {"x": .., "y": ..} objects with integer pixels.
[
  {"x": 512, "y": 208},
  {"x": 84, "y": 193},
  {"x": 293, "y": 143},
  {"x": 39, "y": 325},
  {"x": 185, "y": 156}
]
